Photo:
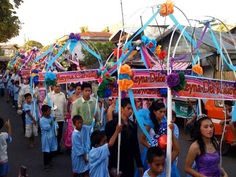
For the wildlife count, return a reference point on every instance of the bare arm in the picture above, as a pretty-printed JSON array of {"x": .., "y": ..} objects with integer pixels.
[
  {"x": 8, "y": 127},
  {"x": 31, "y": 116},
  {"x": 114, "y": 136},
  {"x": 191, "y": 156},
  {"x": 176, "y": 148},
  {"x": 143, "y": 138},
  {"x": 110, "y": 111}
]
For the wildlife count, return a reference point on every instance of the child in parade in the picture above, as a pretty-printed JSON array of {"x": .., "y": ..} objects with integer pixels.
[
  {"x": 1, "y": 86},
  {"x": 98, "y": 155},
  {"x": 80, "y": 165},
  {"x": 86, "y": 106},
  {"x": 71, "y": 90},
  {"x": 16, "y": 92},
  {"x": 5, "y": 137},
  {"x": 31, "y": 127},
  {"x": 129, "y": 147},
  {"x": 204, "y": 151},
  {"x": 156, "y": 162},
  {"x": 156, "y": 125},
  {"x": 48, "y": 139},
  {"x": 69, "y": 128}
]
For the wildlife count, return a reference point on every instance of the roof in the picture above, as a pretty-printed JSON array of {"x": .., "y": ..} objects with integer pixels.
[
  {"x": 197, "y": 32},
  {"x": 95, "y": 34}
]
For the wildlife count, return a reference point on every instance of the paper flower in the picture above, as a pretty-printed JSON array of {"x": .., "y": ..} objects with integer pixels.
[
  {"x": 149, "y": 43},
  {"x": 158, "y": 49},
  {"x": 73, "y": 36},
  {"x": 50, "y": 78},
  {"x": 176, "y": 81},
  {"x": 163, "y": 92},
  {"x": 166, "y": 9},
  {"x": 173, "y": 80},
  {"x": 125, "y": 83},
  {"x": 125, "y": 69},
  {"x": 117, "y": 52},
  {"x": 197, "y": 69},
  {"x": 162, "y": 55},
  {"x": 104, "y": 88}
]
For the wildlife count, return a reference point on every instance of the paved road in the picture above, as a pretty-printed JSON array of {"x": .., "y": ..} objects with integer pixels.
[{"x": 20, "y": 154}]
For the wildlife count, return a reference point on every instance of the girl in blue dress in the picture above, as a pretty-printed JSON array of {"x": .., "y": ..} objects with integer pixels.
[{"x": 156, "y": 125}]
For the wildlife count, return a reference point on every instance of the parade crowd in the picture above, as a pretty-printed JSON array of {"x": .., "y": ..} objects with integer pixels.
[{"x": 75, "y": 120}]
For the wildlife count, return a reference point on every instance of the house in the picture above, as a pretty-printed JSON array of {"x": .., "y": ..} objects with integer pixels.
[
  {"x": 210, "y": 59},
  {"x": 6, "y": 52}
]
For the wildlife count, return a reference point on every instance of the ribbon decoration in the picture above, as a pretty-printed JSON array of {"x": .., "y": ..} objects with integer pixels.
[
  {"x": 92, "y": 53},
  {"x": 232, "y": 67},
  {"x": 234, "y": 113},
  {"x": 57, "y": 55},
  {"x": 138, "y": 118},
  {"x": 44, "y": 54},
  {"x": 187, "y": 36},
  {"x": 74, "y": 39}
]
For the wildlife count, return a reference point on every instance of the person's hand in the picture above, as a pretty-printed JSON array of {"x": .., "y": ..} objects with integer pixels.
[
  {"x": 7, "y": 124},
  {"x": 119, "y": 128},
  {"x": 222, "y": 122},
  {"x": 34, "y": 122},
  {"x": 140, "y": 170},
  {"x": 113, "y": 173},
  {"x": 85, "y": 158},
  {"x": 171, "y": 126}
]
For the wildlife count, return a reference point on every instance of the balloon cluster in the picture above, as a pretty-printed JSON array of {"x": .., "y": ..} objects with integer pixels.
[
  {"x": 176, "y": 81},
  {"x": 50, "y": 78}
]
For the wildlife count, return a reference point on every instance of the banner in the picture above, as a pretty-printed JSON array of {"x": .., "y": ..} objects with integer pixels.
[
  {"x": 147, "y": 82},
  {"x": 141, "y": 93},
  {"x": 145, "y": 78},
  {"x": 74, "y": 76},
  {"x": 207, "y": 88}
]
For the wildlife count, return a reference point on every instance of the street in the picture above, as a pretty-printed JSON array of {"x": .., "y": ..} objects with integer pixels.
[{"x": 19, "y": 153}]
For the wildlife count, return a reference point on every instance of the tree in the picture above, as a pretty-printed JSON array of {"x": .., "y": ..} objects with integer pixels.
[
  {"x": 106, "y": 29},
  {"x": 84, "y": 29},
  {"x": 9, "y": 22},
  {"x": 102, "y": 48},
  {"x": 30, "y": 44}
]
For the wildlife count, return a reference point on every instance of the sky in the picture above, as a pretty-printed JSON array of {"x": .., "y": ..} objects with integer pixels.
[{"x": 47, "y": 20}]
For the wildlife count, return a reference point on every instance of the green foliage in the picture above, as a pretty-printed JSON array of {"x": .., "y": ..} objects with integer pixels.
[
  {"x": 83, "y": 29},
  {"x": 102, "y": 48},
  {"x": 106, "y": 29},
  {"x": 31, "y": 43},
  {"x": 9, "y": 22}
]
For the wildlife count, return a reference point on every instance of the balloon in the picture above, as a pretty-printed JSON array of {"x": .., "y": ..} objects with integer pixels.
[{"x": 162, "y": 141}]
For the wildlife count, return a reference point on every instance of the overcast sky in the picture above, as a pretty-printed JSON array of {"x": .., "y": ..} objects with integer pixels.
[{"x": 47, "y": 20}]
